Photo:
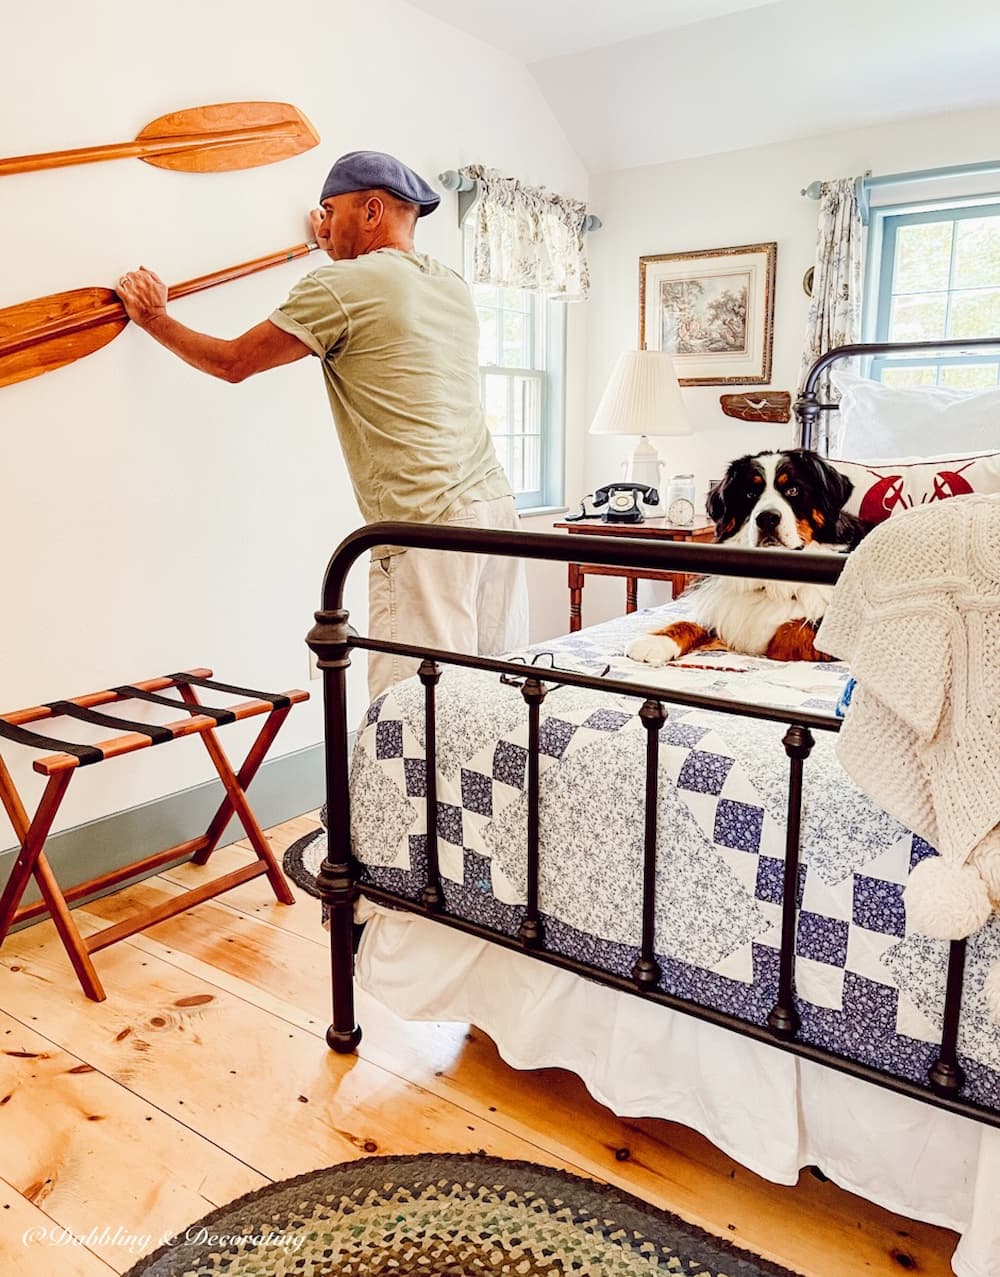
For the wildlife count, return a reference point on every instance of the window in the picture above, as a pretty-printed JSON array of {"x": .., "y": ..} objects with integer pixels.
[
  {"x": 938, "y": 276},
  {"x": 522, "y": 374}
]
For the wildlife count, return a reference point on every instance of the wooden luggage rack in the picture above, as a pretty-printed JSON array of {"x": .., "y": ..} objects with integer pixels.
[{"x": 62, "y": 761}]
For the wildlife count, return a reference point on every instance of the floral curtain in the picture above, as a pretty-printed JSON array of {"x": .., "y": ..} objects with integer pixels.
[
  {"x": 527, "y": 237},
  {"x": 834, "y": 317}
]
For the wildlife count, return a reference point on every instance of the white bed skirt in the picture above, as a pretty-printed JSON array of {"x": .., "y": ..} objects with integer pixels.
[{"x": 769, "y": 1110}]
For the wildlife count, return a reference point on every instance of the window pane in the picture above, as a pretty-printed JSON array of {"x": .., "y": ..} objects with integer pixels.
[
  {"x": 975, "y": 313},
  {"x": 532, "y": 452},
  {"x": 970, "y": 376},
  {"x": 923, "y": 257},
  {"x": 518, "y": 406},
  {"x": 526, "y": 417},
  {"x": 977, "y": 253},
  {"x": 502, "y": 445},
  {"x": 513, "y": 407},
  {"x": 495, "y": 403},
  {"x": 918, "y": 318},
  {"x": 487, "y": 336},
  {"x": 925, "y": 376},
  {"x": 524, "y": 470},
  {"x": 516, "y": 331},
  {"x": 516, "y": 471}
]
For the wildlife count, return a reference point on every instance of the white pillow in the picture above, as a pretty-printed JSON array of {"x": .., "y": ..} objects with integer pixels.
[{"x": 891, "y": 421}]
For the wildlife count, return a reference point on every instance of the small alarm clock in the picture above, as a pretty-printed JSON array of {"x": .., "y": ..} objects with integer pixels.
[{"x": 680, "y": 500}]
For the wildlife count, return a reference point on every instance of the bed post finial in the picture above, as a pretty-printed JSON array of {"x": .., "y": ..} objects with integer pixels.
[{"x": 807, "y": 410}]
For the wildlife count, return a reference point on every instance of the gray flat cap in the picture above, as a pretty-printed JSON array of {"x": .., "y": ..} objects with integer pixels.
[{"x": 374, "y": 170}]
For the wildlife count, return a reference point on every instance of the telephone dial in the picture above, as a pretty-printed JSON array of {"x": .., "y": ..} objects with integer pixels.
[{"x": 617, "y": 503}]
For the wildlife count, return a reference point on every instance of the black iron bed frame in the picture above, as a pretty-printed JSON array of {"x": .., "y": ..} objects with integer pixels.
[{"x": 332, "y": 639}]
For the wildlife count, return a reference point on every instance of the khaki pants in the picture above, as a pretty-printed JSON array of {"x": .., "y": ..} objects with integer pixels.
[{"x": 472, "y": 603}]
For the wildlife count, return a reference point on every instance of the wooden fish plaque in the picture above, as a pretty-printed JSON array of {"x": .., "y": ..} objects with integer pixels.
[{"x": 759, "y": 405}]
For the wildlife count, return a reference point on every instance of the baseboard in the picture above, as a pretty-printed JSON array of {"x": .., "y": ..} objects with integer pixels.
[{"x": 284, "y": 787}]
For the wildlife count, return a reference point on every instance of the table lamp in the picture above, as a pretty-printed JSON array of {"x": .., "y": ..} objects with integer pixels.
[{"x": 642, "y": 398}]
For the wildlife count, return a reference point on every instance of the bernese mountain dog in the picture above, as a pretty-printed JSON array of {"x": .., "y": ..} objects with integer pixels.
[{"x": 791, "y": 500}]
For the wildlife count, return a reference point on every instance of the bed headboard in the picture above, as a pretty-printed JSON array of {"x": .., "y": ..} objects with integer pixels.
[{"x": 809, "y": 406}]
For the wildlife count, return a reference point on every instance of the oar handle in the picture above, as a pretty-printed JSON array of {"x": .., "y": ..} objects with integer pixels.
[
  {"x": 237, "y": 272},
  {"x": 138, "y": 147},
  {"x": 115, "y": 310}
]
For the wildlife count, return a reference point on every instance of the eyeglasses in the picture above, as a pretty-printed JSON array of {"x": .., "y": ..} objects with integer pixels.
[{"x": 541, "y": 660}]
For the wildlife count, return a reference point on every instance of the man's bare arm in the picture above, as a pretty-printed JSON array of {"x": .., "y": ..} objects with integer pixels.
[{"x": 144, "y": 296}]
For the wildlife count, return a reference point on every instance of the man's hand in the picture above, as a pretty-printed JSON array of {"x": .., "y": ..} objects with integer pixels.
[{"x": 144, "y": 296}]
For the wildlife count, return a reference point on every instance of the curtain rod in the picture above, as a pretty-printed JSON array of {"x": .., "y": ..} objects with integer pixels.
[
  {"x": 452, "y": 180},
  {"x": 868, "y": 183}
]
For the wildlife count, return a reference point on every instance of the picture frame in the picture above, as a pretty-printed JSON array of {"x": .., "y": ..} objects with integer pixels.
[{"x": 713, "y": 310}]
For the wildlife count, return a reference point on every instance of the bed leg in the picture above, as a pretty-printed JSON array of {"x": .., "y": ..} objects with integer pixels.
[
  {"x": 339, "y": 891},
  {"x": 783, "y": 1020},
  {"x": 646, "y": 971},
  {"x": 946, "y": 1075},
  {"x": 329, "y": 639},
  {"x": 530, "y": 930},
  {"x": 430, "y": 675}
]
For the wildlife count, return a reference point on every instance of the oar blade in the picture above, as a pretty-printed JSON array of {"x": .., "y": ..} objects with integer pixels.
[
  {"x": 28, "y": 349},
  {"x": 285, "y": 132}
]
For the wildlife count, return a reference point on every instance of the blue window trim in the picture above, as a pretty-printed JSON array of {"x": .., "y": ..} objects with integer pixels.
[{"x": 889, "y": 226}]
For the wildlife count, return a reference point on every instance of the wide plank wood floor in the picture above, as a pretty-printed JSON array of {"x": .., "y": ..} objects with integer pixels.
[{"x": 205, "y": 1075}]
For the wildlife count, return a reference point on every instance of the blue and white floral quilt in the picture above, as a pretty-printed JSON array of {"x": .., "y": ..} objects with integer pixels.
[{"x": 865, "y": 987}]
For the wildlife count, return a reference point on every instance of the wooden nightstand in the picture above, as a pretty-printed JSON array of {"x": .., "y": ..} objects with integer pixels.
[{"x": 657, "y": 529}]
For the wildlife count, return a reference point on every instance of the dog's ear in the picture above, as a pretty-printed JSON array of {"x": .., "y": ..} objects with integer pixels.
[
  {"x": 851, "y": 531},
  {"x": 832, "y": 486},
  {"x": 726, "y": 503},
  {"x": 719, "y": 504},
  {"x": 715, "y": 504},
  {"x": 837, "y": 483}
]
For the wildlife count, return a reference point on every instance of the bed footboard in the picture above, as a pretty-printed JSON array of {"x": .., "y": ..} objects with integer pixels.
[{"x": 332, "y": 640}]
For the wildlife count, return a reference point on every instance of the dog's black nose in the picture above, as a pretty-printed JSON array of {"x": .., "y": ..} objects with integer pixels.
[{"x": 768, "y": 521}]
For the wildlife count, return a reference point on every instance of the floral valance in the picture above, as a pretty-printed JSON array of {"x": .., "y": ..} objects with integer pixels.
[{"x": 527, "y": 237}]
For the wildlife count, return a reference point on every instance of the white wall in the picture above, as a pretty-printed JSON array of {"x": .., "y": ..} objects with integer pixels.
[
  {"x": 744, "y": 197},
  {"x": 151, "y": 518}
]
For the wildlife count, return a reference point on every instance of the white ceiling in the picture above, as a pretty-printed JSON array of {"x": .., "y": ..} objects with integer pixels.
[
  {"x": 637, "y": 82},
  {"x": 535, "y": 29}
]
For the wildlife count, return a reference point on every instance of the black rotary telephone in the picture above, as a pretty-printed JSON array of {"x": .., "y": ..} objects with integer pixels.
[{"x": 617, "y": 503}]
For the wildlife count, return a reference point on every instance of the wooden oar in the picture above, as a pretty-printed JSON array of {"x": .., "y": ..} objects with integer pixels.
[
  {"x": 49, "y": 332},
  {"x": 203, "y": 139}
]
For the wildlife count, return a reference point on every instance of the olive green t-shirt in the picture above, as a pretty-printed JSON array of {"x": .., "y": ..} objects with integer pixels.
[{"x": 398, "y": 337}]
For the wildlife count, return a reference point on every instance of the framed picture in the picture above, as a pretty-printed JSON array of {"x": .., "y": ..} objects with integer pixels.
[{"x": 713, "y": 310}]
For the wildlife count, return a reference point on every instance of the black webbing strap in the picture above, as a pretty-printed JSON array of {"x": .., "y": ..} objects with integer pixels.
[
  {"x": 277, "y": 699},
  {"x": 154, "y": 731},
  {"x": 220, "y": 715},
  {"x": 85, "y": 753}
]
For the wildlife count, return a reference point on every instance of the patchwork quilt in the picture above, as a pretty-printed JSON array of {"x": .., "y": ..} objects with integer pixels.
[{"x": 865, "y": 987}]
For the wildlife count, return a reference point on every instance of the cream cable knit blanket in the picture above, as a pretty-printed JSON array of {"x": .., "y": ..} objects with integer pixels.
[{"x": 916, "y": 614}]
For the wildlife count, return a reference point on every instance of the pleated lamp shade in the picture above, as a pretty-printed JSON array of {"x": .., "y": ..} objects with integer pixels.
[{"x": 642, "y": 398}]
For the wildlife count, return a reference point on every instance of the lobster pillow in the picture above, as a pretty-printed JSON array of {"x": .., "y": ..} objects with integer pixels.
[{"x": 885, "y": 488}]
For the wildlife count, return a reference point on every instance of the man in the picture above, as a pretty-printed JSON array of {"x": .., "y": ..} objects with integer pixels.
[{"x": 397, "y": 335}]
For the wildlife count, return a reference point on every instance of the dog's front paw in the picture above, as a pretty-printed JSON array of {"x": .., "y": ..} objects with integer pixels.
[{"x": 653, "y": 649}]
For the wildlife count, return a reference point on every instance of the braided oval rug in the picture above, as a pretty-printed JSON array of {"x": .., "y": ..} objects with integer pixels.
[{"x": 444, "y": 1215}]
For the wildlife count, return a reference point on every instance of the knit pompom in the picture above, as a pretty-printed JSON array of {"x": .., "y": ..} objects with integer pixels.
[
  {"x": 946, "y": 901},
  {"x": 992, "y": 990},
  {"x": 986, "y": 859}
]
